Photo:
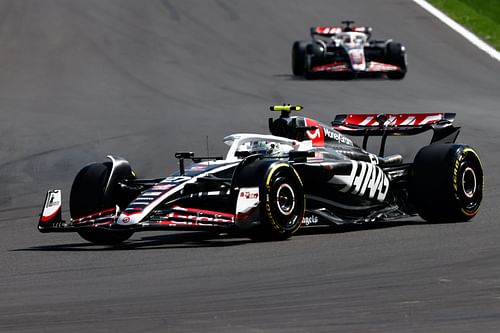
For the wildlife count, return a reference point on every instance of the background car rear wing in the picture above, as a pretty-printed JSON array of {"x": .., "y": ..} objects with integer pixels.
[
  {"x": 328, "y": 31},
  {"x": 325, "y": 31},
  {"x": 385, "y": 125}
]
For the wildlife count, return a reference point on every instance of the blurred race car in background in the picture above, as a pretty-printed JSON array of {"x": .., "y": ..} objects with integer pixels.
[
  {"x": 305, "y": 174},
  {"x": 346, "y": 52}
]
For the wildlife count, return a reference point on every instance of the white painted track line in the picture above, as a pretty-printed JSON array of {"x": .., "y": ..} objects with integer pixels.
[{"x": 460, "y": 29}]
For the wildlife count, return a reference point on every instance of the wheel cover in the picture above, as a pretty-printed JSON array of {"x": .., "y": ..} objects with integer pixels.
[
  {"x": 284, "y": 206},
  {"x": 285, "y": 199},
  {"x": 469, "y": 182}
]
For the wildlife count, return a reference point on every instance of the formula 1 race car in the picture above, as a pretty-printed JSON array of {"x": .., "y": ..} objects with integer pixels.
[
  {"x": 305, "y": 174},
  {"x": 346, "y": 52}
]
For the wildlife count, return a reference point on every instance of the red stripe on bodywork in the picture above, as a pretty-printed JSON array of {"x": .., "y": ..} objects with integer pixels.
[
  {"x": 333, "y": 67},
  {"x": 202, "y": 211},
  {"x": 186, "y": 224},
  {"x": 196, "y": 217},
  {"x": 381, "y": 67},
  {"x": 94, "y": 215}
]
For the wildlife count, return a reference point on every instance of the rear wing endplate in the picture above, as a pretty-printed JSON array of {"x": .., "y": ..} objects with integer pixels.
[{"x": 399, "y": 124}]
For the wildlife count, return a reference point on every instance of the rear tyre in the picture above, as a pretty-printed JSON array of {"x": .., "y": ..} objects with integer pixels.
[
  {"x": 447, "y": 183},
  {"x": 396, "y": 55},
  {"x": 282, "y": 204},
  {"x": 298, "y": 57},
  {"x": 88, "y": 196}
]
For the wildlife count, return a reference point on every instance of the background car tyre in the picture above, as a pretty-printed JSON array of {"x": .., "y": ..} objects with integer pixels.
[
  {"x": 298, "y": 57},
  {"x": 396, "y": 55},
  {"x": 282, "y": 204},
  {"x": 88, "y": 196},
  {"x": 310, "y": 75},
  {"x": 447, "y": 183},
  {"x": 314, "y": 56}
]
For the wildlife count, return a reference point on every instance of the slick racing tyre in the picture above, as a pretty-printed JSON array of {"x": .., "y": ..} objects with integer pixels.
[
  {"x": 314, "y": 56},
  {"x": 282, "y": 203},
  {"x": 396, "y": 55},
  {"x": 298, "y": 57},
  {"x": 88, "y": 196},
  {"x": 447, "y": 183},
  {"x": 308, "y": 75}
]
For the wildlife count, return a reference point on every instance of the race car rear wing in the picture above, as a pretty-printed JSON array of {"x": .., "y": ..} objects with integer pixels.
[
  {"x": 325, "y": 31},
  {"x": 328, "y": 31},
  {"x": 385, "y": 125}
]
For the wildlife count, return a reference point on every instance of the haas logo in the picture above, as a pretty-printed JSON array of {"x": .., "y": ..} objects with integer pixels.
[{"x": 365, "y": 179}]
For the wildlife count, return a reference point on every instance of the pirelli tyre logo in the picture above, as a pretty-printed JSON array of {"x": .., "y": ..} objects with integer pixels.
[{"x": 364, "y": 180}]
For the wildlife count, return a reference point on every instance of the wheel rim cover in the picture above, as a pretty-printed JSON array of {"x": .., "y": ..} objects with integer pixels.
[
  {"x": 285, "y": 199},
  {"x": 469, "y": 182}
]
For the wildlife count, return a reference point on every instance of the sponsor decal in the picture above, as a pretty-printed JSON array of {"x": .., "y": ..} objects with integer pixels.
[
  {"x": 357, "y": 57},
  {"x": 144, "y": 199},
  {"x": 249, "y": 194},
  {"x": 415, "y": 119},
  {"x": 397, "y": 174},
  {"x": 381, "y": 67},
  {"x": 162, "y": 187},
  {"x": 176, "y": 179},
  {"x": 365, "y": 179},
  {"x": 336, "y": 136},
  {"x": 132, "y": 211},
  {"x": 198, "y": 167},
  {"x": 52, "y": 206},
  {"x": 53, "y": 201},
  {"x": 248, "y": 200},
  {"x": 308, "y": 220},
  {"x": 455, "y": 175},
  {"x": 152, "y": 194},
  {"x": 315, "y": 135},
  {"x": 318, "y": 135},
  {"x": 194, "y": 216}
]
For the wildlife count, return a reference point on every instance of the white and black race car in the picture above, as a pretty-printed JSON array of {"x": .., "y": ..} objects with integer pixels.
[
  {"x": 346, "y": 52},
  {"x": 305, "y": 174}
]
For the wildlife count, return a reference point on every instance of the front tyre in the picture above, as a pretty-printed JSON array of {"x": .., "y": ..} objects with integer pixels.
[
  {"x": 298, "y": 57},
  {"x": 88, "y": 196},
  {"x": 282, "y": 203},
  {"x": 396, "y": 55},
  {"x": 447, "y": 183}
]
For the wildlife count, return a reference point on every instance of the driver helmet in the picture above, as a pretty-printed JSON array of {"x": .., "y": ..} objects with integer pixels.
[
  {"x": 348, "y": 40},
  {"x": 265, "y": 148}
]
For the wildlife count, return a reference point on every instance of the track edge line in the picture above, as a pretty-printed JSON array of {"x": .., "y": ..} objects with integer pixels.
[{"x": 479, "y": 43}]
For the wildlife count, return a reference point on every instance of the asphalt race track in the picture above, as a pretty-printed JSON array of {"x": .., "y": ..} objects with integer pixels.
[{"x": 142, "y": 79}]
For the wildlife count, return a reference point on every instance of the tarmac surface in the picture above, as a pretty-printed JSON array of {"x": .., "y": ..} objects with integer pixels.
[{"x": 143, "y": 79}]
